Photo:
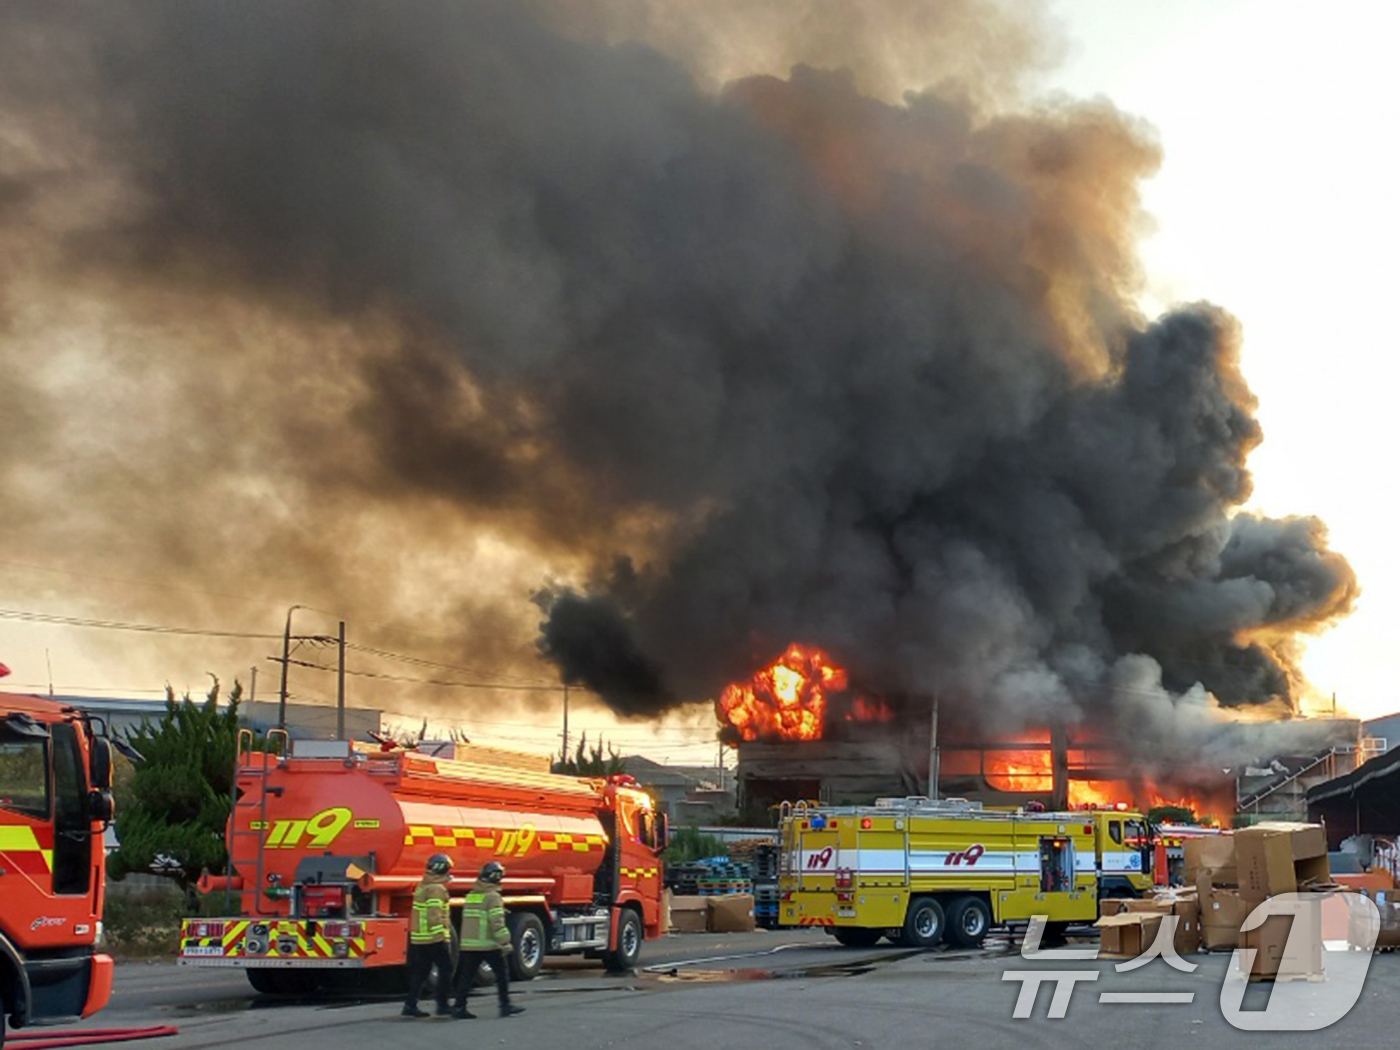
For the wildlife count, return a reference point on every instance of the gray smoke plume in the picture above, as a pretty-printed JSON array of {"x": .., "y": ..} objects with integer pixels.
[{"x": 739, "y": 354}]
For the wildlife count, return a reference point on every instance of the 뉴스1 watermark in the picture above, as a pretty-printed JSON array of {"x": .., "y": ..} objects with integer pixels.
[{"x": 1287, "y": 929}]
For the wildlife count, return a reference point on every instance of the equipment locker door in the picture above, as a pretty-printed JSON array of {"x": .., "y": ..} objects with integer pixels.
[{"x": 1056, "y": 865}]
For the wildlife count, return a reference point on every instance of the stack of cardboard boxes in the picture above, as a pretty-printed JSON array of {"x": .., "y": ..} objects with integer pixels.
[
  {"x": 1210, "y": 867},
  {"x": 1284, "y": 858},
  {"x": 1227, "y": 877},
  {"x": 1127, "y": 928},
  {"x": 726, "y": 913}
]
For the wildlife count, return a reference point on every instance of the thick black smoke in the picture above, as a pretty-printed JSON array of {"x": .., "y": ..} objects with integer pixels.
[{"x": 779, "y": 362}]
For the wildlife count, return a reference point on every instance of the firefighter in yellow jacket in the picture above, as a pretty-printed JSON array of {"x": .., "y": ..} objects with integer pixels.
[
  {"x": 485, "y": 939},
  {"x": 430, "y": 936}
]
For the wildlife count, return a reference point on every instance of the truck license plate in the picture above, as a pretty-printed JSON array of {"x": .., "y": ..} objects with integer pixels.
[{"x": 212, "y": 949}]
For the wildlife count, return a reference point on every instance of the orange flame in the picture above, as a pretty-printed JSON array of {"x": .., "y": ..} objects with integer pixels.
[
  {"x": 788, "y": 700},
  {"x": 1027, "y": 771},
  {"x": 1030, "y": 770}
]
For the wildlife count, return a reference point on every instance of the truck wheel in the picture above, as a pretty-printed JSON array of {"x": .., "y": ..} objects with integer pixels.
[
  {"x": 856, "y": 936},
  {"x": 968, "y": 921},
  {"x": 629, "y": 943},
  {"x": 527, "y": 940},
  {"x": 923, "y": 925}
]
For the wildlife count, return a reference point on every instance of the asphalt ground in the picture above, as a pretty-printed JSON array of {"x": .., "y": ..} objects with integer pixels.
[{"x": 789, "y": 988}]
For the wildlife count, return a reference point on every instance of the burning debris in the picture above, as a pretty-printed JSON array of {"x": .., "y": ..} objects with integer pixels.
[{"x": 737, "y": 355}]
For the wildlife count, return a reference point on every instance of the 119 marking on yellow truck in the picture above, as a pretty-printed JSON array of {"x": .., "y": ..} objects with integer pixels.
[{"x": 315, "y": 832}]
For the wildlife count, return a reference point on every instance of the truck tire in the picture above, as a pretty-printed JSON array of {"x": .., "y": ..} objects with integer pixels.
[
  {"x": 629, "y": 943},
  {"x": 527, "y": 945},
  {"x": 856, "y": 936},
  {"x": 923, "y": 923},
  {"x": 969, "y": 919}
]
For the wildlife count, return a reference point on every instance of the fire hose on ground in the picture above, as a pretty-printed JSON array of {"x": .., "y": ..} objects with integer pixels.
[{"x": 42, "y": 1040}]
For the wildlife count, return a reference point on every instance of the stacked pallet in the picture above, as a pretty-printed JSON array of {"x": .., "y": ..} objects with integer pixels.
[{"x": 721, "y": 879}]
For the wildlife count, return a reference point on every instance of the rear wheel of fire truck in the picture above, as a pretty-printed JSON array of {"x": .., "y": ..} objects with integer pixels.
[
  {"x": 629, "y": 943},
  {"x": 527, "y": 942},
  {"x": 969, "y": 918},
  {"x": 856, "y": 936},
  {"x": 923, "y": 925}
]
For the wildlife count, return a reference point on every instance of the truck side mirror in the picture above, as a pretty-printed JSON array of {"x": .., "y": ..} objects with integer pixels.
[
  {"x": 663, "y": 833},
  {"x": 100, "y": 805},
  {"x": 100, "y": 763}
]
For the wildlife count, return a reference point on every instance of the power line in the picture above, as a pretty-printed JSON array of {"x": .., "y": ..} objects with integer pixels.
[
  {"x": 116, "y": 625},
  {"x": 428, "y": 681},
  {"x": 420, "y": 662}
]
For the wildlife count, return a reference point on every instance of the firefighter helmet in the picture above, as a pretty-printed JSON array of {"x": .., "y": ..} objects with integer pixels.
[
  {"x": 492, "y": 871},
  {"x": 439, "y": 864}
]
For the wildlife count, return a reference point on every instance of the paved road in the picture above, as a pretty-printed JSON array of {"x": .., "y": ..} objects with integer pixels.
[{"x": 774, "y": 990}]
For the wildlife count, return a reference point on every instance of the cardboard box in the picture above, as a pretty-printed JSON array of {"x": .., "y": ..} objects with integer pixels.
[
  {"x": 731, "y": 913},
  {"x": 1213, "y": 853},
  {"x": 1265, "y": 865},
  {"x": 689, "y": 914},
  {"x": 1127, "y": 934},
  {"x": 1188, "y": 926},
  {"x": 1281, "y": 857},
  {"x": 689, "y": 922},
  {"x": 1111, "y": 906},
  {"x": 1307, "y": 840},
  {"x": 1222, "y": 912},
  {"x": 1286, "y": 945},
  {"x": 1151, "y": 906}
]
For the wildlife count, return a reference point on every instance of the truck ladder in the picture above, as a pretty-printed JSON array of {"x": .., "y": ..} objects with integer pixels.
[{"x": 257, "y": 830}]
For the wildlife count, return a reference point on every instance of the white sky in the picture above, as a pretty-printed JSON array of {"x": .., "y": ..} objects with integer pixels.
[{"x": 1276, "y": 200}]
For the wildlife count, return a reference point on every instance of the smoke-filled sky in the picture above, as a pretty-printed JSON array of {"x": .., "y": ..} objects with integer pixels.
[{"x": 689, "y": 330}]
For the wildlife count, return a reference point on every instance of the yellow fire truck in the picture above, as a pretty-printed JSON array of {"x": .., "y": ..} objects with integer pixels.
[{"x": 919, "y": 871}]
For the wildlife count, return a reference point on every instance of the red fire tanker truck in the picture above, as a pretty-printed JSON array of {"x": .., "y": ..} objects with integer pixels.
[
  {"x": 55, "y": 776},
  {"x": 327, "y": 842}
]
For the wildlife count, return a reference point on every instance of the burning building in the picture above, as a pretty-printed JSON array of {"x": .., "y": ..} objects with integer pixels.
[{"x": 802, "y": 732}]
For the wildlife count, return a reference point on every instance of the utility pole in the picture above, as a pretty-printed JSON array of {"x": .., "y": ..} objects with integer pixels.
[
  {"x": 49, "y": 663},
  {"x": 564, "y": 747},
  {"x": 252, "y": 683},
  {"x": 340, "y": 689},
  {"x": 933, "y": 750},
  {"x": 286, "y": 662}
]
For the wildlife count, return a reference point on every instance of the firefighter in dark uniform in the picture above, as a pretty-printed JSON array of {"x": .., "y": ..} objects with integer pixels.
[
  {"x": 430, "y": 936},
  {"x": 485, "y": 939}
]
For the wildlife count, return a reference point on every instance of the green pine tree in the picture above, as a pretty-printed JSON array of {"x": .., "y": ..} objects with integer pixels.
[
  {"x": 589, "y": 762},
  {"x": 174, "y": 806}
]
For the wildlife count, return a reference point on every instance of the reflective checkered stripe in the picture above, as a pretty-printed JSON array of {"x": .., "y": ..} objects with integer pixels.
[
  {"x": 641, "y": 873},
  {"x": 27, "y": 849},
  {"x": 505, "y": 840},
  {"x": 285, "y": 939},
  {"x": 808, "y": 920}
]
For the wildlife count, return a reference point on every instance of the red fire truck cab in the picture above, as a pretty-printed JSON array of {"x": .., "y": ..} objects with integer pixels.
[{"x": 55, "y": 801}]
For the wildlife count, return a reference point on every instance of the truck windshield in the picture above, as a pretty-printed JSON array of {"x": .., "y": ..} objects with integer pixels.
[{"x": 24, "y": 779}]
